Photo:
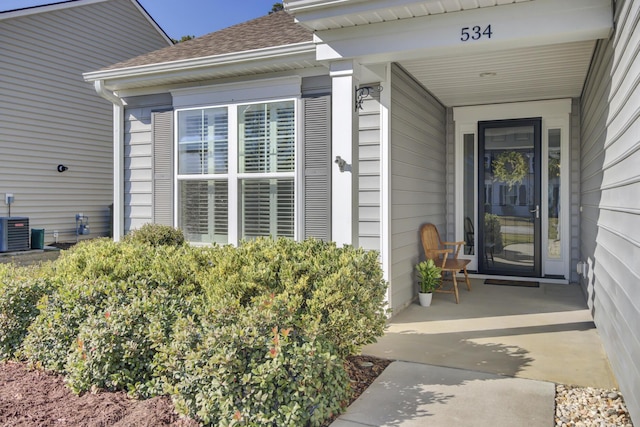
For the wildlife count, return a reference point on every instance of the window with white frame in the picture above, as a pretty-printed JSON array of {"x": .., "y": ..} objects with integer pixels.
[{"x": 237, "y": 161}]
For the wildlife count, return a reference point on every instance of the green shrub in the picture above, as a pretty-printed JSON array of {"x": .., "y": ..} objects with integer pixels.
[
  {"x": 20, "y": 290},
  {"x": 252, "y": 335},
  {"x": 172, "y": 266},
  {"x": 115, "y": 348},
  {"x": 94, "y": 274},
  {"x": 156, "y": 235},
  {"x": 252, "y": 367},
  {"x": 341, "y": 289},
  {"x": 61, "y": 314}
]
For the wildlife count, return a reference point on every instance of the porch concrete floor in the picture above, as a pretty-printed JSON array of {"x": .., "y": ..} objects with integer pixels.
[{"x": 544, "y": 333}]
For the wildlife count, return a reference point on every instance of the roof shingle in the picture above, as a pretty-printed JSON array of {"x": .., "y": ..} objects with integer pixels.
[{"x": 275, "y": 29}]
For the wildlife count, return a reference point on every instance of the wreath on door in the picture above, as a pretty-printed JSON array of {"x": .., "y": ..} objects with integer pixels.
[{"x": 510, "y": 167}]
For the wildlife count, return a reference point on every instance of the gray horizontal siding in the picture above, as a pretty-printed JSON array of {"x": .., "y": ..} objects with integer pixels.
[
  {"x": 610, "y": 194},
  {"x": 138, "y": 159},
  {"x": 50, "y": 116},
  {"x": 369, "y": 172},
  {"x": 418, "y": 158}
]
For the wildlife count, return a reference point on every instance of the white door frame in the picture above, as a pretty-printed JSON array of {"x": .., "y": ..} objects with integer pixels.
[{"x": 555, "y": 114}]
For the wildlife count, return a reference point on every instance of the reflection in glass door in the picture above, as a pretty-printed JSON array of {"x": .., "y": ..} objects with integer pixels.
[{"x": 509, "y": 197}]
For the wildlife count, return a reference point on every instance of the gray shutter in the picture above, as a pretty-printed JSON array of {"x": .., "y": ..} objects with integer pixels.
[
  {"x": 162, "y": 122},
  {"x": 317, "y": 167}
]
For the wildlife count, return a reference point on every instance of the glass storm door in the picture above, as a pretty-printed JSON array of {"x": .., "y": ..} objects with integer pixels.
[{"x": 509, "y": 215}]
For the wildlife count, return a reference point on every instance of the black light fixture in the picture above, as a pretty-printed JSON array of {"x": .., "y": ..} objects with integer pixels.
[
  {"x": 62, "y": 168},
  {"x": 363, "y": 92}
]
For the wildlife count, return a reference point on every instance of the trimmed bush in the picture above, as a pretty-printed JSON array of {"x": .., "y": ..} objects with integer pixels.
[
  {"x": 339, "y": 289},
  {"x": 97, "y": 274},
  {"x": 156, "y": 235},
  {"x": 56, "y": 327},
  {"x": 253, "y": 335},
  {"x": 115, "y": 348},
  {"x": 251, "y": 367},
  {"x": 20, "y": 290}
]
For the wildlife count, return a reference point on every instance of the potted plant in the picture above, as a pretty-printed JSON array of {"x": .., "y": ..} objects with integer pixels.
[{"x": 429, "y": 275}]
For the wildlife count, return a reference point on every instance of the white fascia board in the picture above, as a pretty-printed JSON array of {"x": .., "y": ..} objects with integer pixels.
[
  {"x": 295, "y": 6},
  {"x": 310, "y": 11},
  {"x": 46, "y": 8},
  {"x": 147, "y": 73},
  {"x": 517, "y": 25}
]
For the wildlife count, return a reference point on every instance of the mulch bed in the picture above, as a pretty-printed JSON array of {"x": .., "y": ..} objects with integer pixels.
[{"x": 36, "y": 398}]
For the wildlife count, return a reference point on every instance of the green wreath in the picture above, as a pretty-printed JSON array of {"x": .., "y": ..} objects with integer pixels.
[{"x": 510, "y": 167}]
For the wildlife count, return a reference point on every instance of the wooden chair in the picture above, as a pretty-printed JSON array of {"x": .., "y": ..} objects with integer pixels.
[{"x": 434, "y": 248}]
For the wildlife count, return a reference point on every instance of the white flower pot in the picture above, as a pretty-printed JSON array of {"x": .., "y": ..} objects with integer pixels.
[{"x": 425, "y": 299}]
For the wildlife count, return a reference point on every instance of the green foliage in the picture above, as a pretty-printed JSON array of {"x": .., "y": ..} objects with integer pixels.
[
  {"x": 60, "y": 316},
  {"x": 183, "y": 39},
  {"x": 156, "y": 235},
  {"x": 492, "y": 231},
  {"x": 20, "y": 290},
  {"x": 115, "y": 348},
  {"x": 253, "y": 367},
  {"x": 510, "y": 167},
  {"x": 429, "y": 275},
  {"x": 277, "y": 7},
  {"x": 92, "y": 276},
  {"x": 251, "y": 335},
  {"x": 340, "y": 289}
]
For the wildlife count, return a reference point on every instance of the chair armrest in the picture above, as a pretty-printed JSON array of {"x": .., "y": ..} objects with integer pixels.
[
  {"x": 438, "y": 252},
  {"x": 458, "y": 244},
  {"x": 453, "y": 243}
]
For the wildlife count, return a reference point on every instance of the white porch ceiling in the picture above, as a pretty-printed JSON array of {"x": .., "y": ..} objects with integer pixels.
[{"x": 545, "y": 72}]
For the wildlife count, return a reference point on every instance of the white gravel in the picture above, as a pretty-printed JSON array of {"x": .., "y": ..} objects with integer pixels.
[{"x": 590, "y": 407}]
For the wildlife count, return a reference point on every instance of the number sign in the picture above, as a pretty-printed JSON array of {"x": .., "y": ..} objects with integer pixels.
[{"x": 475, "y": 33}]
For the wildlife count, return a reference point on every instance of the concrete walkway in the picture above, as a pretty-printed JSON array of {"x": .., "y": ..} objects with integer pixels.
[
  {"x": 492, "y": 360},
  {"x": 411, "y": 394}
]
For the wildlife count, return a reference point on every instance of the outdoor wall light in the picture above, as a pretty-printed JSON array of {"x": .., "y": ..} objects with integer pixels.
[
  {"x": 363, "y": 92},
  {"x": 62, "y": 168}
]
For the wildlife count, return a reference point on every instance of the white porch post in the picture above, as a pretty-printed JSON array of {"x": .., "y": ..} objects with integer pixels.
[{"x": 344, "y": 137}]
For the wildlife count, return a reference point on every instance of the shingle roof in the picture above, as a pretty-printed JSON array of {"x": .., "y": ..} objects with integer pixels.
[{"x": 275, "y": 29}]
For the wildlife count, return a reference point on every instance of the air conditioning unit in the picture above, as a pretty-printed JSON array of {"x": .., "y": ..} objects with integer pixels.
[{"x": 14, "y": 234}]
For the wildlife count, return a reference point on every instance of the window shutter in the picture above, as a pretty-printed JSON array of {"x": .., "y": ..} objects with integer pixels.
[
  {"x": 162, "y": 124},
  {"x": 317, "y": 167}
]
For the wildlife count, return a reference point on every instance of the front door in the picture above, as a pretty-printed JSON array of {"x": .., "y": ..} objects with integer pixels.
[{"x": 509, "y": 197}]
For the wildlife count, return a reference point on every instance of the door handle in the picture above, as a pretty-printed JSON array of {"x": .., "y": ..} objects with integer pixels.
[{"x": 537, "y": 211}]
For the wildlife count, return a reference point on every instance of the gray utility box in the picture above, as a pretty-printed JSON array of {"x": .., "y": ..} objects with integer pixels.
[{"x": 14, "y": 234}]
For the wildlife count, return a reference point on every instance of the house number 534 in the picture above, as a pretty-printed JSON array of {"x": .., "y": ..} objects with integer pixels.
[{"x": 475, "y": 33}]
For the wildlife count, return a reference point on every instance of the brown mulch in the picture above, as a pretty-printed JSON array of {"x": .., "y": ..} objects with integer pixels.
[{"x": 35, "y": 398}]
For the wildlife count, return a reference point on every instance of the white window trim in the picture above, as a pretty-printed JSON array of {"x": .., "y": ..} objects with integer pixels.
[
  {"x": 555, "y": 114},
  {"x": 233, "y": 177}
]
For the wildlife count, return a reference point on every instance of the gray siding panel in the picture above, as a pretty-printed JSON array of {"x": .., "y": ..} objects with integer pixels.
[
  {"x": 50, "y": 116},
  {"x": 369, "y": 172},
  {"x": 610, "y": 187},
  {"x": 418, "y": 179},
  {"x": 140, "y": 189}
]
